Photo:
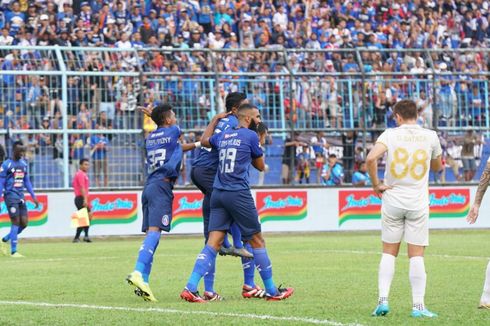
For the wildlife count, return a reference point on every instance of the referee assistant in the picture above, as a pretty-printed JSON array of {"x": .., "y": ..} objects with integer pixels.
[{"x": 80, "y": 187}]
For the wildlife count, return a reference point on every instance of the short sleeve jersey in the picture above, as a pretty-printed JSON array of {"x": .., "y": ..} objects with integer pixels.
[
  {"x": 14, "y": 174},
  {"x": 208, "y": 157},
  {"x": 410, "y": 149},
  {"x": 163, "y": 153},
  {"x": 236, "y": 149}
]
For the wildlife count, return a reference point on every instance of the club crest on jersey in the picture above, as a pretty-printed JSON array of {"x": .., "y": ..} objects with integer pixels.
[
  {"x": 165, "y": 220},
  {"x": 13, "y": 210}
]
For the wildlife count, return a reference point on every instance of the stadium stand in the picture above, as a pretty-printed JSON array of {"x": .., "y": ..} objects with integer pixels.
[{"x": 344, "y": 64}]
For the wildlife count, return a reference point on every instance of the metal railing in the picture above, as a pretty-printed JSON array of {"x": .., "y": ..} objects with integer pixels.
[{"x": 61, "y": 100}]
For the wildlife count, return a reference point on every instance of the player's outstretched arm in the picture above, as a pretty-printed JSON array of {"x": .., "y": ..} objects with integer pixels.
[
  {"x": 210, "y": 128},
  {"x": 480, "y": 192}
]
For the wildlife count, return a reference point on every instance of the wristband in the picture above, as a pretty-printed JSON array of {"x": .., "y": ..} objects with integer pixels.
[{"x": 197, "y": 144}]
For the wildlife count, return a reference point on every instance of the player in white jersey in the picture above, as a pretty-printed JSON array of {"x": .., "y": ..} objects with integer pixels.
[
  {"x": 472, "y": 216},
  {"x": 410, "y": 150}
]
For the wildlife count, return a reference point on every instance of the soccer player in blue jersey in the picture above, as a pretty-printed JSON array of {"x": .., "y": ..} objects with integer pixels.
[
  {"x": 203, "y": 173},
  {"x": 163, "y": 159},
  {"x": 13, "y": 179},
  {"x": 232, "y": 202}
]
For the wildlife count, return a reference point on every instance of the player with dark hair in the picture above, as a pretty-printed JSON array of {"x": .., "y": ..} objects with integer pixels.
[
  {"x": 232, "y": 202},
  {"x": 163, "y": 160},
  {"x": 81, "y": 190},
  {"x": 203, "y": 173},
  {"x": 13, "y": 179}
]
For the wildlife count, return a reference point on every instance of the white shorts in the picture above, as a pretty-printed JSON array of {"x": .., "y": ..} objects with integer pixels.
[{"x": 396, "y": 222}]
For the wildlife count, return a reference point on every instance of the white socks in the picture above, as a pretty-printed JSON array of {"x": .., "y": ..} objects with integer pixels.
[
  {"x": 485, "y": 297},
  {"x": 385, "y": 276},
  {"x": 418, "y": 280}
]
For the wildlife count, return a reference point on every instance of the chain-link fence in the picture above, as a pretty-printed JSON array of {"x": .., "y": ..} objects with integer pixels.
[{"x": 69, "y": 103}]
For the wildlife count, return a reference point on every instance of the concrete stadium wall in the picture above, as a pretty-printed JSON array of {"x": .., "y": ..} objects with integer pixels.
[{"x": 280, "y": 210}]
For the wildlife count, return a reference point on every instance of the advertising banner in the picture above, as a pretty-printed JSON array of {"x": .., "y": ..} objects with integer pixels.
[
  {"x": 37, "y": 216},
  {"x": 364, "y": 204},
  {"x": 117, "y": 208},
  {"x": 282, "y": 205},
  {"x": 187, "y": 207}
]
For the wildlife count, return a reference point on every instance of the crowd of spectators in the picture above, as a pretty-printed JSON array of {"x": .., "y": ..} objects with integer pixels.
[
  {"x": 380, "y": 28},
  {"x": 364, "y": 39}
]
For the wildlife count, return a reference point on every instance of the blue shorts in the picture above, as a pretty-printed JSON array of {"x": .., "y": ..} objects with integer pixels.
[
  {"x": 234, "y": 206},
  {"x": 16, "y": 208},
  {"x": 157, "y": 201},
  {"x": 203, "y": 178}
]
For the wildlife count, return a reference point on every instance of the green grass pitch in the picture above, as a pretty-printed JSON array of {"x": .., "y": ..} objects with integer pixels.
[{"x": 334, "y": 274}]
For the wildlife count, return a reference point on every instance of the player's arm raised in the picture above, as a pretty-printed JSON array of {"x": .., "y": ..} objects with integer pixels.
[
  {"x": 480, "y": 192},
  {"x": 372, "y": 164},
  {"x": 210, "y": 128}
]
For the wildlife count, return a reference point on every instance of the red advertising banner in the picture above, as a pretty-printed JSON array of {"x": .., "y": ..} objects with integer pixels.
[
  {"x": 118, "y": 208},
  {"x": 282, "y": 205},
  {"x": 37, "y": 216},
  {"x": 187, "y": 207},
  {"x": 364, "y": 204}
]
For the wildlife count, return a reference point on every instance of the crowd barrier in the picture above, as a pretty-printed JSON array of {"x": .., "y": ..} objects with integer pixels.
[{"x": 280, "y": 210}]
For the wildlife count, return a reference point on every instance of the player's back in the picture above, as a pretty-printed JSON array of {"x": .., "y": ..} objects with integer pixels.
[
  {"x": 163, "y": 153},
  {"x": 236, "y": 149},
  {"x": 208, "y": 157},
  {"x": 410, "y": 149}
]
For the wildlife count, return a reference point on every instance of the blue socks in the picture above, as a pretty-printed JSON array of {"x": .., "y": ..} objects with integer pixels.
[
  {"x": 147, "y": 250},
  {"x": 209, "y": 279},
  {"x": 7, "y": 237},
  {"x": 264, "y": 267},
  {"x": 226, "y": 242},
  {"x": 236, "y": 235},
  {"x": 14, "y": 231},
  {"x": 248, "y": 268},
  {"x": 205, "y": 263},
  {"x": 147, "y": 269}
]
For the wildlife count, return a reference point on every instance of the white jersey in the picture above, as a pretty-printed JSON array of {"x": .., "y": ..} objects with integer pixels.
[{"x": 409, "y": 151}]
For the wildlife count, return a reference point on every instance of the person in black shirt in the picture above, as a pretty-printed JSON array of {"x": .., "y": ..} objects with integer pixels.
[{"x": 289, "y": 158}]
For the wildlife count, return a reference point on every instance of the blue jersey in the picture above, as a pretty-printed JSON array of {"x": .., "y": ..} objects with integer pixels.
[
  {"x": 163, "y": 153},
  {"x": 358, "y": 176},
  {"x": 236, "y": 150},
  {"x": 208, "y": 157},
  {"x": 14, "y": 178}
]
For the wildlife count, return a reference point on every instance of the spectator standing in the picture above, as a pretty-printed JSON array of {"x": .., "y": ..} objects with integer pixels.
[
  {"x": 288, "y": 158},
  {"x": 349, "y": 140},
  {"x": 468, "y": 155},
  {"x": 98, "y": 151},
  {"x": 303, "y": 165},
  {"x": 81, "y": 189}
]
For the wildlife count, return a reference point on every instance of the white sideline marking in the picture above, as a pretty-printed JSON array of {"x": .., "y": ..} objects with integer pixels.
[
  {"x": 362, "y": 252},
  {"x": 175, "y": 311},
  {"x": 48, "y": 260}
]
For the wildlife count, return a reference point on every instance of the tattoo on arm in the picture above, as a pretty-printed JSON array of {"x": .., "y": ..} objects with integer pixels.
[{"x": 483, "y": 185}]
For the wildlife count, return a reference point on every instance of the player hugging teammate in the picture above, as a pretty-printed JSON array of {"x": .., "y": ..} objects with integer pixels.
[{"x": 233, "y": 139}]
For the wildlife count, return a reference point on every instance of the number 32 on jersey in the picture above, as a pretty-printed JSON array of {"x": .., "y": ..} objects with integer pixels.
[{"x": 405, "y": 163}]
